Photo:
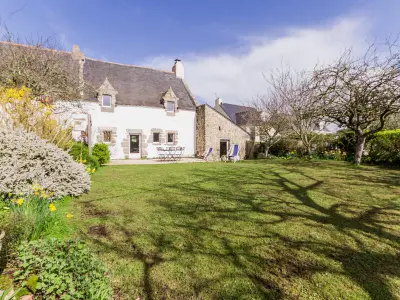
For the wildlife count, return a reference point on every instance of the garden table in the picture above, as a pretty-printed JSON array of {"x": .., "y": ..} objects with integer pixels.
[{"x": 170, "y": 153}]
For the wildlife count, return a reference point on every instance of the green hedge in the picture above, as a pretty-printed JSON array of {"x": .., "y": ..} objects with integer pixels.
[
  {"x": 80, "y": 151},
  {"x": 102, "y": 153},
  {"x": 384, "y": 147}
]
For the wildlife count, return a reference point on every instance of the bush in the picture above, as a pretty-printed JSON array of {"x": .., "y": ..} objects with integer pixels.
[
  {"x": 346, "y": 142},
  {"x": 79, "y": 151},
  {"x": 102, "y": 153},
  {"x": 20, "y": 108},
  {"x": 92, "y": 162},
  {"x": 63, "y": 269},
  {"x": 285, "y": 146},
  {"x": 26, "y": 160},
  {"x": 384, "y": 147}
]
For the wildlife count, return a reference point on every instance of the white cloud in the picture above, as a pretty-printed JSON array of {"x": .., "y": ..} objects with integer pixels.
[{"x": 238, "y": 78}]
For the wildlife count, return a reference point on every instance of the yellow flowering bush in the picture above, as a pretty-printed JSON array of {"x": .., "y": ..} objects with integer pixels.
[{"x": 19, "y": 108}]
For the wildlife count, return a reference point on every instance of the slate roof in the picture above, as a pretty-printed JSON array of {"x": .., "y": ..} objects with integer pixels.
[
  {"x": 232, "y": 109},
  {"x": 137, "y": 86}
]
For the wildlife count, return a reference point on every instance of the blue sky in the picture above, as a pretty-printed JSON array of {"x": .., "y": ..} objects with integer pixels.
[{"x": 225, "y": 46}]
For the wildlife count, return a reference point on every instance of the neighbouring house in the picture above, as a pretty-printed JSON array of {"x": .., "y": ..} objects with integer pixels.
[
  {"x": 133, "y": 109},
  {"x": 215, "y": 129}
]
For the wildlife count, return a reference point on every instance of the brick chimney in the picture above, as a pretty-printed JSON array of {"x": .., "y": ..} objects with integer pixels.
[{"x": 178, "y": 69}]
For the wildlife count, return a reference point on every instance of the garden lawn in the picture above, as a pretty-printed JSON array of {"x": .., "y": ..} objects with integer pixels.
[{"x": 251, "y": 230}]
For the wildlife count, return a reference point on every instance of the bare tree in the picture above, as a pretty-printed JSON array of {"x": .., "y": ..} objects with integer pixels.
[
  {"x": 39, "y": 65},
  {"x": 300, "y": 104},
  {"x": 361, "y": 93},
  {"x": 269, "y": 119}
]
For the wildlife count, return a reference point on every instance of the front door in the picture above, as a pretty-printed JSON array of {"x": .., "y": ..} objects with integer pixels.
[
  {"x": 223, "y": 147},
  {"x": 134, "y": 146}
]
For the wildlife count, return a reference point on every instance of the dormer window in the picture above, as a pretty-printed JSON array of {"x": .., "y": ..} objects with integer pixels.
[
  {"x": 170, "y": 102},
  {"x": 106, "y": 100},
  {"x": 170, "y": 106}
]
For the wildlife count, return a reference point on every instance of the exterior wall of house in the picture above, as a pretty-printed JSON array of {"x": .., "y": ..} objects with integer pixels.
[
  {"x": 212, "y": 127},
  {"x": 144, "y": 121}
]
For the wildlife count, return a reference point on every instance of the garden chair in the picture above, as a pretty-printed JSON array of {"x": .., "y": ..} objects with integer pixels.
[
  {"x": 234, "y": 153},
  {"x": 207, "y": 154},
  {"x": 161, "y": 153},
  {"x": 179, "y": 152},
  {"x": 171, "y": 153}
]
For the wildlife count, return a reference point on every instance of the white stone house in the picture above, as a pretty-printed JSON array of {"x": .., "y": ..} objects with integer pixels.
[{"x": 133, "y": 109}]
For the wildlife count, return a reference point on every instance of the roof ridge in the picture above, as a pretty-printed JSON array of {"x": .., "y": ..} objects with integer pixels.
[
  {"x": 70, "y": 52},
  {"x": 33, "y": 46},
  {"x": 192, "y": 97},
  {"x": 128, "y": 65},
  {"x": 235, "y": 105}
]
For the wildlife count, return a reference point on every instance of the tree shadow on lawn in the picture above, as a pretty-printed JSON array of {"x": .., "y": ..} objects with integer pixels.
[{"x": 241, "y": 224}]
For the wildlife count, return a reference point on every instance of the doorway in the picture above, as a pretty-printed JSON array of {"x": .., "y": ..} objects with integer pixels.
[
  {"x": 223, "y": 147},
  {"x": 134, "y": 146}
]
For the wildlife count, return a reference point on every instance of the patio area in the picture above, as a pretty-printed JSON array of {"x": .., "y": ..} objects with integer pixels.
[{"x": 156, "y": 161}]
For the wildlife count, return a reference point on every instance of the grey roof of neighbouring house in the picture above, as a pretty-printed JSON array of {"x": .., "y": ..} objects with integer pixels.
[
  {"x": 137, "y": 86},
  {"x": 232, "y": 109}
]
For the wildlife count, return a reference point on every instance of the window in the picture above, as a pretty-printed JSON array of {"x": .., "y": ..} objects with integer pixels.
[
  {"x": 107, "y": 134},
  {"x": 106, "y": 100},
  {"x": 171, "y": 138},
  {"x": 170, "y": 106},
  {"x": 156, "y": 137}
]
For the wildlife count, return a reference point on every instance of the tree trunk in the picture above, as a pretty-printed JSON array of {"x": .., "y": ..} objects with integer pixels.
[
  {"x": 266, "y": 151},
  {"x": 359, "y": 147}
]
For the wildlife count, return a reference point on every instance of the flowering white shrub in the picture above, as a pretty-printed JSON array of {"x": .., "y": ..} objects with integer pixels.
[{"x": 26, "y": 160}]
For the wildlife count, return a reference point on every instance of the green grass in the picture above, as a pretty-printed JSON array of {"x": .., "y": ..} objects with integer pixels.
[{"x": 251, "y": 230}]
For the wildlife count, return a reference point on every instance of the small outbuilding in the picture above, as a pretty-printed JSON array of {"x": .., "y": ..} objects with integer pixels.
[{"x": 214, "y": 129}]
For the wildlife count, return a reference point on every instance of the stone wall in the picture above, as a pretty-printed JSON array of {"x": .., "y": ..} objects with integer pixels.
[
  {"x": 200, "y": 130},
  {"x": 212, "y": 127}
]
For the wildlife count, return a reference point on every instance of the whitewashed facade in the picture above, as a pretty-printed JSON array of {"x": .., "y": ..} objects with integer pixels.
[
  {"x": 132, "y": 109},
  {"x": 127, "y": 121}
]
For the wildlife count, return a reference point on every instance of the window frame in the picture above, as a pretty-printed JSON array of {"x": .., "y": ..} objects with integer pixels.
[
  {"x": 102, "y": 100},
  {"x": 173, "y": 106},
  {"x": 104, "y": 136},
  {"x": 159, "y": 138},
  {"x": 173, "y": 137}
]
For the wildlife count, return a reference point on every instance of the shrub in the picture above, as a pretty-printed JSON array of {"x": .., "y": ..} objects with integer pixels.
[
  {"x": 25, "y": 159},
  {"x": 80, "y": 153},
  {"x": 63, "y": 269},
  {"x": 384, "y": 147},
  {"x": 286, "y": 146},
  {"x": 19, "y": 108},
  {"x": 92, "y": 162},
  {"x": 346, "y": 142},
  {"x": 102, "y": 153}
]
